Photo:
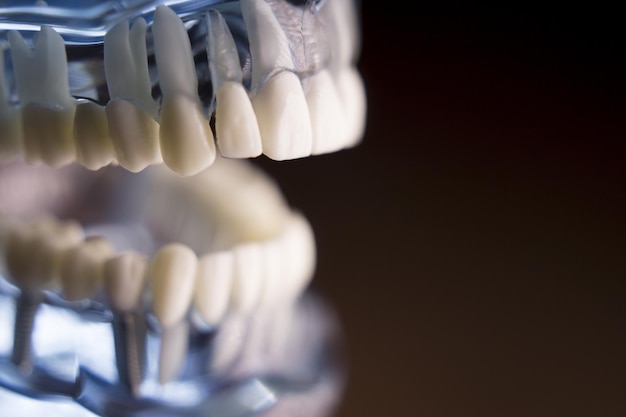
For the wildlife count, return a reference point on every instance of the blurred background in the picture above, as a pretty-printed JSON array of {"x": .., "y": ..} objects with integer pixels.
[{"x": 474, "y": 245}]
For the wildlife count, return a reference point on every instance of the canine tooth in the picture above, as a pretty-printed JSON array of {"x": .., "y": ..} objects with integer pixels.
[
  {"x": 352, "y": 92},
  {"x": 124, "y": 279},
  {"x": 81, "y": 273},
  {"x": 43, "y": 90},
  {"x": 247, "y": 277},
  {"x": 10, "y": 121},
  {"x": 269, "y": 46},
  {"x": 94, "y": 149},
  {"x": 172, "y": 274},
  {"x": 213, "y": 286},
  {"x": 326, "y": 111},
  {"x": 187, "y": 142},
  {"x": 174, "y": 342},
  {"x": 236, "y": 125},
  {"x": 134, "y": 135},
  {"x": 283, "y": 118}
]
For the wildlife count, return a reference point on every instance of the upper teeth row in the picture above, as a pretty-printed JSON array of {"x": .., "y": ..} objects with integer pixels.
[{"x": 282, "y": 116}]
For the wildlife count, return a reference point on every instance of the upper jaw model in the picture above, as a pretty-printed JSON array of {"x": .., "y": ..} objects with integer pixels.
[{"x": 146, "y": 268}]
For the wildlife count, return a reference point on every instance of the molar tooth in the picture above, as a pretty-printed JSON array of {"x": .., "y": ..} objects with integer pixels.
[
  {"x": 247, "y": 278},
  {"x": 10, "y": 121},
  {"x": 236, "y": 126},
  {"x": 326, "y": 111},
  {"x": 94, "y": 149},
  {"x": 43, "y": 89},
  {"x": 172, "y": 274},
  {"x": 81, "y": 273},
  {"x": 124, "y": 279},
  {"x": 283, "y": 118},
  {"x": 131, "y": 111},
  {"x": 187, "y": 142},
  {"x": 213, "y": 286}
]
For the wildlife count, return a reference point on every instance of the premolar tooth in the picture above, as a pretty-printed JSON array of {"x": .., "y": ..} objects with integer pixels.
[
  {"x": 283, "y": 118},
  {"x": 134, "y": 135},
  {"x": 326, "y": 112},
  {"x": 94, "y": 149},
  {"x": 124, "y": 280},
  {"x": 43, "y": 90},
  {"x": 236, "y": 126},
  {"x": 213, "y": 286},
  {"x": 247, "y": 277},
  {"x": 10, "y": 121},
  {"x": 172, "y": 274},
  {"x": 82, "y": 270},
  {"x": 130, "y": 113},
  {"x": 186, "y": 138}
]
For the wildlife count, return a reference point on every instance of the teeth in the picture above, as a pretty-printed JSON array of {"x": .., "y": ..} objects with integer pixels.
[
  {"x": 134, "y": 135},
  {"x": 172, "y": 274},
  {"x": 174, "y": 343},
  {"x": 43, "y": 89},
  {"x": 283, "y": 118},
  {"x": 273, "y": 272},
  {"x": 299, "y": 257},
  {"x": 35, "y": 253},
  {"x": 269, "y": 45},
  {"x": 81, "y": 273},
  {"x": 213, "y": 286},
  {"x": 236, "y": 126},
  {"x": 94, "y": 149},
  {"x": 247, "y": 278},
  {"x": 10, "y": 121},
  {"x": 131, "y": 111},
  {"x": 186, "y": 139},
  {"x": 124, "y": 279},
  {"x": 227, "y": 345},
  {"x": 345, "y": 32},
  {"x": 326, "y": 112},
  {"x": 352, "y": 93},
  {"x": 280, "y": 105}
]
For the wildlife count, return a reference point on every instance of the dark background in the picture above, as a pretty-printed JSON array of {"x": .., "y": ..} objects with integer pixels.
[{"x": 474, "y": 244}]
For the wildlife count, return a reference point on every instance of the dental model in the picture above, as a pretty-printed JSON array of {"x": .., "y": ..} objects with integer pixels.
[{"x": 126, "y": 201}]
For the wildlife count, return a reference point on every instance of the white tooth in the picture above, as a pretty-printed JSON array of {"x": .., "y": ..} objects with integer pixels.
[
  {"x": 283, "y": 118},
  {"x": 94, "y": 149},
  {"x": 247, "y": 278},
  {"x": 174, "y": 343},
  {"x": 43, "y": 90},
  {"x": 228, "y": 344},
  {"x": 299, "y": 247},
  {"x": 269, "y": 46},
  {"x": 10, "y": 121},
  {"x": 126, "y": 66},
  {"x": 213, "y": 286},
  {"x": 236, "y": 125},
  {"x": 82, "y": 269},
  {"x": 172, "y": 274},
  {"x": 345, "y": 31},
  {"x": 273, "y": 272},
  {"x": 326, "y": 111},
  {"x": 186, "y": 138},
  {"x": 35, "y": 252},
  {"x": 352, "y": 92},
  {"x": 134, "y": 135},
  {"x": 124, "y": 280}
]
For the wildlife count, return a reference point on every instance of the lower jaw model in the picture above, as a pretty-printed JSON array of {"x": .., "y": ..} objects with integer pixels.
[{"x": 147, "y": 268}]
